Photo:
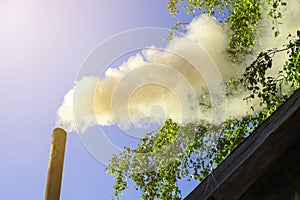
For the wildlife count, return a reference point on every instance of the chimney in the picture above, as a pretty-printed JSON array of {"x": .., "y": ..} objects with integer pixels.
[{"x": 56, "y": 162}]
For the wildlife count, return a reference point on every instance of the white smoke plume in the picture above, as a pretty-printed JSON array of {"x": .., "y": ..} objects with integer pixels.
[{"x": 157, "y": 84}]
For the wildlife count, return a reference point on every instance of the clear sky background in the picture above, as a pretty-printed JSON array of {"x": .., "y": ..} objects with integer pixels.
[{"x": 42, "y": 45}]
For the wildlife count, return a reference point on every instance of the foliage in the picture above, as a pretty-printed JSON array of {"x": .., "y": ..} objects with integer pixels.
[
  {"x": 275, "y": 14},
  {"x": 153, "y": 165},
  {"x": 242, "y": 16},
  {"x": 274, "y": 90},
  {"x": 195, "y": 159},
  {"x": 192, "y": 151}
]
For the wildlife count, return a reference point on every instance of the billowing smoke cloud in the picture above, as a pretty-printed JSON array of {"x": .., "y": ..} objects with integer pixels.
[{"x": 175, "y": 82}]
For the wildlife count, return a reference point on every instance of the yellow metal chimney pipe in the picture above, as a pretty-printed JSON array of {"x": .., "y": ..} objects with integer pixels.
[{"x": 56, "y": 163}]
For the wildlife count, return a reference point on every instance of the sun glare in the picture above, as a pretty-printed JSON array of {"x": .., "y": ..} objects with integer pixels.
[{"x": 15, "y": 16}]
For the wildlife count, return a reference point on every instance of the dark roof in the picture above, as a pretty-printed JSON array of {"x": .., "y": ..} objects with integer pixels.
[{"x": 253, "y": 157}]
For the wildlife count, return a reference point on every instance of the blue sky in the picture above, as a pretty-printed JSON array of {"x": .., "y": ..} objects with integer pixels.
[{"x": 42, "y": 45}]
